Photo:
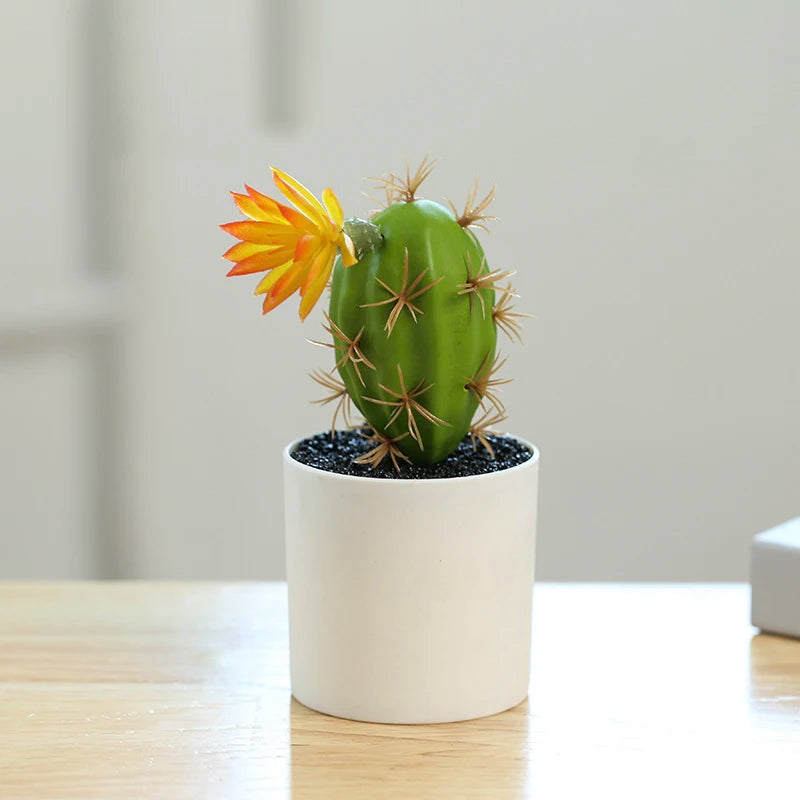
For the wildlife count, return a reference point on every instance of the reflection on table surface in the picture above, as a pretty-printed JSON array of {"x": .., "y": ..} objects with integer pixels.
[{"x": 655, "y": 689}]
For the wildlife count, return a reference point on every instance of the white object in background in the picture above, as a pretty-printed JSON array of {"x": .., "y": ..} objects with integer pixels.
[
  {"x": 410, "y": 600},
  {"x": 775, "y": 579}
]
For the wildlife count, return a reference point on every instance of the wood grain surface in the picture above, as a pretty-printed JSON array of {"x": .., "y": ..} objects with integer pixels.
[{"x": 166, "y": 690}]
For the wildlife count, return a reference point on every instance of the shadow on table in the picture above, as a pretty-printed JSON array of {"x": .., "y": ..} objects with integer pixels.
[
  {"x": 775, "y": 676},
  {"x": 335, "y": 757}
]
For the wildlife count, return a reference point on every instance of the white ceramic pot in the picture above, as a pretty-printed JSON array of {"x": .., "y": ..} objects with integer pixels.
[{"x": 410, "y": 600}]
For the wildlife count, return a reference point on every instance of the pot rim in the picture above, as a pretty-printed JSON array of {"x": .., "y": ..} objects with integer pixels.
[{"x": 528, "y": 464}]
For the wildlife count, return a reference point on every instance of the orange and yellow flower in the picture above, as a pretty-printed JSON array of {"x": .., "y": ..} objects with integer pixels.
[{"x": 296, "y": 247}]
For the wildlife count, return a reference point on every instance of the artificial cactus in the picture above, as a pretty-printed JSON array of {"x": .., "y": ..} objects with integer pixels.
[
  {"x": 412, "y": 319},
  {"x": 426, "y": 335}
]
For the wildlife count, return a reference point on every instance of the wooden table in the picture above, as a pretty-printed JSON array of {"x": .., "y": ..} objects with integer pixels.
[{"x": 123, "y": 690}]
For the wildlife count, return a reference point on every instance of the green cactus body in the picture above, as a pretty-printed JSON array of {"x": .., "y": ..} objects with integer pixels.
[{"x": 453, "y": 337}]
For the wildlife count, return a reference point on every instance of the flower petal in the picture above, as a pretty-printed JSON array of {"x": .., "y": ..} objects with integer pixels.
[
  {"x": 264, "y": 260},
  {"x": 271, "y": 278},
  {"x": 299, "y": 221},
  {"x": 288, "y": 283},
  {"x": 249, "y": 207},
  {"x": 260, "y": 232},
  {"x": 347, "y": 249},
  {"x": 272, "y": 301},
  {"x": 242, "y": 250},
  {"x": 307, "y": 247},
  {"x": 272, "y": 208},
  {"x": 333, "y": 207},
  {"x": 316, "y": 280},
  {"x": 301, "y": 197}
]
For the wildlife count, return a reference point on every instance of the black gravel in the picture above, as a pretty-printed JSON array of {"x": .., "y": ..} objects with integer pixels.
[{"x": 336, "y": 455}]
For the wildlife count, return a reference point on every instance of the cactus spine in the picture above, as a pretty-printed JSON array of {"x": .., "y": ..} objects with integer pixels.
[{"x": 413, "y": 326}]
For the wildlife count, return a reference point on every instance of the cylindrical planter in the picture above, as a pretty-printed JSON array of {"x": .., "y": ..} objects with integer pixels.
[{"x": 410, "y": 600}]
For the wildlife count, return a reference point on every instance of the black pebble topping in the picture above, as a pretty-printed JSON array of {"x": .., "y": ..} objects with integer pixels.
[{"x": 336, "y": 455}]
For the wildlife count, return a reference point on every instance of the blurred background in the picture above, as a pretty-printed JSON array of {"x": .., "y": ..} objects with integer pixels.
[{"x": 647, "y": 168}]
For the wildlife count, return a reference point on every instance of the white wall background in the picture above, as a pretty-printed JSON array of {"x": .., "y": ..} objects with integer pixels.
[{"x": 647, "y": 168}]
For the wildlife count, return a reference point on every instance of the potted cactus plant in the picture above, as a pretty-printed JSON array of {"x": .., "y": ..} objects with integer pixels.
[{"x": 409, "y": 536}]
